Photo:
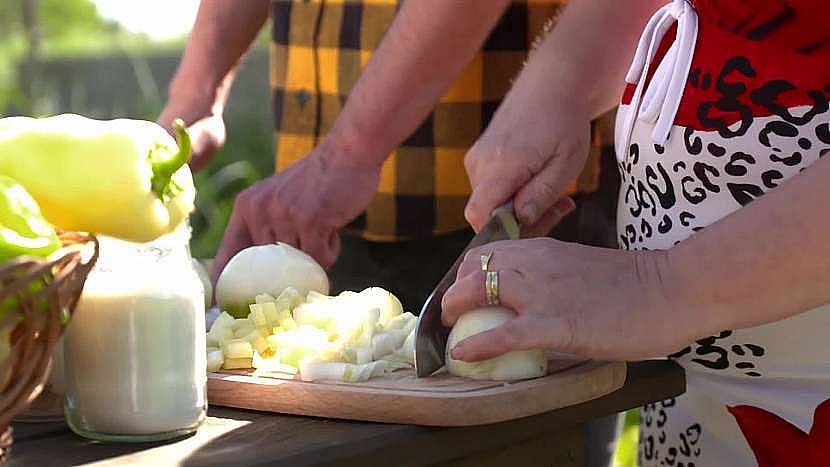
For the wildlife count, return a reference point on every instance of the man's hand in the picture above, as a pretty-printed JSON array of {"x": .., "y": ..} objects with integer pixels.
[
  {"x": 529, "y": 160},
  {"x": 303, "y": 206},
  {"x": 207, "y": 132}
]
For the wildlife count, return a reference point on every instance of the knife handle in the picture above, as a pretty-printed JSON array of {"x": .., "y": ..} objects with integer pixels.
[
  {"x": 508, "y": 206},
  {"x": 508, "y": 220}
]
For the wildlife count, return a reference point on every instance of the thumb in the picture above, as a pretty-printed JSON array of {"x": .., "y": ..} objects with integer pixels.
[
  {"x": 208, "y": 136},
  {"x": 511, "y": 335},
  {"x": 487, "y": 196}
]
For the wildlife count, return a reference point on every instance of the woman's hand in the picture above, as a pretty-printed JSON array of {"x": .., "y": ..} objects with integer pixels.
[
  {"x": 591, "y": 302},
  {"x": 529, "y": 159}
]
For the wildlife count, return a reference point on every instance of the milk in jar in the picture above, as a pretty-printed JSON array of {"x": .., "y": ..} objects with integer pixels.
[{"x": 135, "y": 347}]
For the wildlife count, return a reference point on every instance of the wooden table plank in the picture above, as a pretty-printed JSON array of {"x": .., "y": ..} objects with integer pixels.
[{"x": 240, "y": 437}]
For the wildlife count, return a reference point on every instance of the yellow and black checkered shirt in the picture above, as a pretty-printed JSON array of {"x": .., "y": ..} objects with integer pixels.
[{"x": 318, "y": 51}]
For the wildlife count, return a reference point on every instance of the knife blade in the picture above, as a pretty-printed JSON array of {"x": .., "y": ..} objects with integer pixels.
[{"x": 430, "y": 333}]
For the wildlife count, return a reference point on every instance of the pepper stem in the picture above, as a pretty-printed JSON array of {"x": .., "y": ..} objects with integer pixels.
[{"x": 164, "y": 169}]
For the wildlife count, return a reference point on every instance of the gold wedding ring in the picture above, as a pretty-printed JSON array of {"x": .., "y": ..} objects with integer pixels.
[
  {"x": 485, "y": 261},
  {"x": 491, "y": 287}
]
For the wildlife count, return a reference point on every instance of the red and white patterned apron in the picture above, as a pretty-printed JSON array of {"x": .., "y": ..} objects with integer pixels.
[{"x": 727, "y": 99}]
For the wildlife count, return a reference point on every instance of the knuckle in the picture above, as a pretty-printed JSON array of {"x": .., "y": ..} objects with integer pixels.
[
  {"x": 471, "y": 214},
  {"x": 573, "y": 147},
  {"x": 538, "y": 160},
  {"x": 547, "y": 189},
  {"x": 470, "y": 159},
  {"x": 242, "y": 199}
]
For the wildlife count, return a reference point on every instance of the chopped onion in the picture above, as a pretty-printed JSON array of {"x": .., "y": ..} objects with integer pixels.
[
  {"x": 385, "y": 301},
  {"x": 318, "y": 370},
  {"x": 215, "y": 359},
  {"x": 388, "y": 342},
  {"x": 350, "y": 337}
]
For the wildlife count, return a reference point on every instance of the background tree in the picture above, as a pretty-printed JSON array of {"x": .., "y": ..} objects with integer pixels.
[{"x": 30, "y": 29}]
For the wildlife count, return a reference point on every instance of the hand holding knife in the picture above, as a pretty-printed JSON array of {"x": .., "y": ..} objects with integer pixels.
[{"x": 430, "y": 333}]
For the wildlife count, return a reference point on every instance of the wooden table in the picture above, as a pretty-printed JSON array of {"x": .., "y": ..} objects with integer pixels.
[{"x": 247, "y": 438}]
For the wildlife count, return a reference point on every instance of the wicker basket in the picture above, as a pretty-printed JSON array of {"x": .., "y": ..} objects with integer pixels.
[{"x": 45, "y": 293}]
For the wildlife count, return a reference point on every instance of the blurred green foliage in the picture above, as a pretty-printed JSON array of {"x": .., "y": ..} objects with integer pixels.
[
  {"x": 626, "y": 453},
  {"x": 59, "y": 23}
]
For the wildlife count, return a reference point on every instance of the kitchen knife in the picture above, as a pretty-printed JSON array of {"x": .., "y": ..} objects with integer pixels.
[{"x": 430, "y": 333}]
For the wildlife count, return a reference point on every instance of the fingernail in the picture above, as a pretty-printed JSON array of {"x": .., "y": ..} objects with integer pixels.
[{"x": 566, "y": 206}]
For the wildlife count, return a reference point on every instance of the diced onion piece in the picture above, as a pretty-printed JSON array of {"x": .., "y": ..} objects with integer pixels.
[
  {"x": 359, "y": 355},
  {"x": 242, "y": 327},
  {"x": 288, "y": 324},
  {"x": 257, "y": 340},
  {"x": 275, "y": 315},
  {"x": 211, "y": 341},
  {"x": 264, "y": 298},
  {"x": 238, "y": 363},
  {"x": 510, "y": 366},
  {"x": 243, "y": 331},
  {"x": 294, "y": 346},
  {"x": 257, "y": 315},
  {"x": 215, "y": 359},
  {"x": 317, "y": 370},
  {"x": 271, "y": 363},
  {"x": 222, "y": 321},
  {"x": 241, "y": 323},
  {"x": 273, "y": 342},
  {"x": 406, "y": 353},
  {"x": 222, "y": 328},
  {"x": 388, "y": 303},
  {"x": 318, "y": 314},
  {"x": 238, "y": 348},
  {"x": 357, "y": 373},
  {"x": 289, "y": 299},
  {"x": 401, "y": 321},
  {"x": 392, "y": 365},
  {"x": 388, "y": 342},
  {"x": 314, "y": 296}
]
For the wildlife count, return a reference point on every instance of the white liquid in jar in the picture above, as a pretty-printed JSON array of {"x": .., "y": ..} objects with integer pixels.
[{"x": 135, "y": 355}]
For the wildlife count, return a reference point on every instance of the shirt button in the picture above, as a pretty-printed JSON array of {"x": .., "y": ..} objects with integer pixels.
[{"x": 303, "y": 97}]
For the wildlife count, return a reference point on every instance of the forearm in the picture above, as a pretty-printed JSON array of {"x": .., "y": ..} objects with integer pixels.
[
  {"x": 424, "y": 51},
  {"x": 583, "y": 61},
  {"x": 222, "y": 33},
  {"x": 763, "y": 263}
]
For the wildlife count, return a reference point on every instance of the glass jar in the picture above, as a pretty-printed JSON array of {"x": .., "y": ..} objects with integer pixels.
[{"x": 135, "y": 347}]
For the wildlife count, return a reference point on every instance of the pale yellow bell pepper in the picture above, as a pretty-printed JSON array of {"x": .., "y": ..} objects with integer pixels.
[{"x": 123, "y": 178}]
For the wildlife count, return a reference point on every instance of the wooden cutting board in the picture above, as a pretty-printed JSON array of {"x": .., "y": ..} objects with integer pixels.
[{"x": 400, "y": 397}]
